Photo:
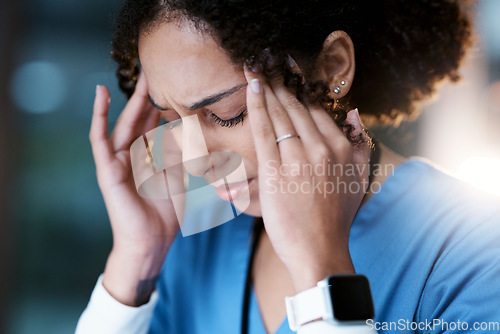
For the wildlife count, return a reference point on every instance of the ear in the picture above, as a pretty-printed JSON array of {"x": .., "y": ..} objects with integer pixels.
[{"x": 336, "y": 64}]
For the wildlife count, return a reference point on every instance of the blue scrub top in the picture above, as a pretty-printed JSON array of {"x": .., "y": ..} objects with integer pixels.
[{"x": 428, "y": 243}]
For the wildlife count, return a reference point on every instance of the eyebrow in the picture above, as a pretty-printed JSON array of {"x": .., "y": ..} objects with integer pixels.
[{"x": 206, "y": 101}]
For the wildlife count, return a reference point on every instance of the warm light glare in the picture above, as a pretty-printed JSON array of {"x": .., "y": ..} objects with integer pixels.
[{"x": 481, "y": 172}]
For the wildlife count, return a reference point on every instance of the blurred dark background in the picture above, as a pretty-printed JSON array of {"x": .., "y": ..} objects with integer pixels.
[{"x": 54, "y": 231}]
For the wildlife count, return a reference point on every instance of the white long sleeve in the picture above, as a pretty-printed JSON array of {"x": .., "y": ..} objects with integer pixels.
[{"x": 106, "y": 315}]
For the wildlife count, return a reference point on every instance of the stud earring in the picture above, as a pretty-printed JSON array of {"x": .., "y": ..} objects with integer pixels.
[
  {"x": 342, "y": 83},
  {"x": 336, "y": 90}
]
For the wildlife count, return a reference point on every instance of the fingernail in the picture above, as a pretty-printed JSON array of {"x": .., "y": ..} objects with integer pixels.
[
  {"x": 291, "y": 61},
  {"x": 97, "y": 88},
  {"x": 256, "y": 68},
  {"x": 271, "y": 61},
  {"x": 256, "y": 86}
]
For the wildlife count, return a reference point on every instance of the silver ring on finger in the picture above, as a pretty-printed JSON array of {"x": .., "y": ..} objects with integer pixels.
[{"x": 287, "y": 136}]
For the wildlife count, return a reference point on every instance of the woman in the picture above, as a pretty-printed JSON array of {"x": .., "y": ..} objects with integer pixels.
[{"x": 272, "y": 83}]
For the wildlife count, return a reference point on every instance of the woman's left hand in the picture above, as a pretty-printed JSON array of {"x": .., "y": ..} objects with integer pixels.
[{"x": 310, "y": 186}]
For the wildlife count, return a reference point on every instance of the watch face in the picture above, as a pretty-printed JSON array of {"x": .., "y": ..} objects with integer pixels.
[{"x": 351, "y": 297}]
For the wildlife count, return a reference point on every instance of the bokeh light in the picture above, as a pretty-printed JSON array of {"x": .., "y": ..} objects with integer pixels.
[{"x": 38, "y": 87}]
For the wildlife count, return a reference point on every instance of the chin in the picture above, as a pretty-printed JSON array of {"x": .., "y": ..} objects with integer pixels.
[{"x": 249, "y": 203}]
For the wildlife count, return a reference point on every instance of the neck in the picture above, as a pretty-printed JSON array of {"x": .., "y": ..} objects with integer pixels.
[{"x": 389, "y": 160}]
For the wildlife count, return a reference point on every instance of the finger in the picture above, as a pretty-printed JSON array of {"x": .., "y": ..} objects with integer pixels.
[
  {"x": 262, "y": 128},
  {"x": 101, "y": 148},
  {"x": 136, "y": 117},
  {"x": 301, "y": 119},
  {"x": 334, "y": 137},
  {"x": 291, "y": 149},
  {"x": 361, "y": 150}
]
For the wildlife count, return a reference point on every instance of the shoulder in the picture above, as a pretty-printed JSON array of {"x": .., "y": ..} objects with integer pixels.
[
  {"x": 421, "y": 200},
  {"x": 420, "y": 188},
  {"x": 436, "y": 240}
]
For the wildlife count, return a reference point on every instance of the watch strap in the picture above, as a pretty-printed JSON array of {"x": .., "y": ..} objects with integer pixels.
[{"x": 308, "y": 305}]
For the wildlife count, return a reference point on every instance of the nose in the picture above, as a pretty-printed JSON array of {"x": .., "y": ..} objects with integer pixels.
[{"x": 195, "y": 155}]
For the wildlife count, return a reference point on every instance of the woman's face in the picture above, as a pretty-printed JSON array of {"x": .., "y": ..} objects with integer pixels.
[{"x": 191, "y": 78}]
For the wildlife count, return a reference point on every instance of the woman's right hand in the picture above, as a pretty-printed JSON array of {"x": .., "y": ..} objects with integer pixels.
[{"x": 143, "y": 229}]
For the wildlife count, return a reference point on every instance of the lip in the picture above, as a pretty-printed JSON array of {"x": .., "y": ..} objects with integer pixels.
[{"x": 233, "y": 191}]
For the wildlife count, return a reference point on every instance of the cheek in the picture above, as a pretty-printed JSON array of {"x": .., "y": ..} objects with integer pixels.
[{"x": 237, "y": 139}]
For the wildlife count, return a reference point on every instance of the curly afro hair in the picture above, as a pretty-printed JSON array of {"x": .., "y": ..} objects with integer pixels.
[{"x": 402, "y": 48}]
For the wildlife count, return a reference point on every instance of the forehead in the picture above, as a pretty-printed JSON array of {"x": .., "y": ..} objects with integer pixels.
[{"x": 183, "y": 65}]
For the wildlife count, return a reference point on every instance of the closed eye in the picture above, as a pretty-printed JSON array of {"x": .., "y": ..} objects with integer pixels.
[{"x": 227, "y": 123}]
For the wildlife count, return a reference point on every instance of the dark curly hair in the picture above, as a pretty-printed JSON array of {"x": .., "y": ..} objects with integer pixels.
[{"x": 402, "y": 48}]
